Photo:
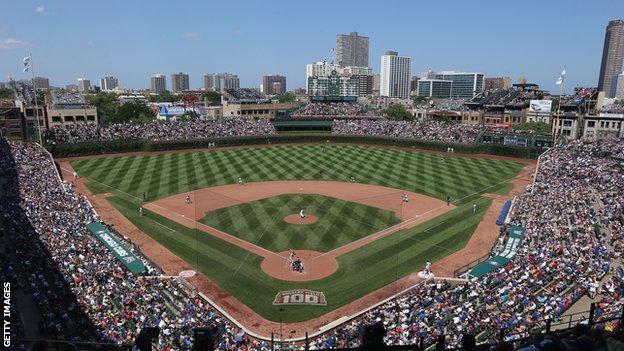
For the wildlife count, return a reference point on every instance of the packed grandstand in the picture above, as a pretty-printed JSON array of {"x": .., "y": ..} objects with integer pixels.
[
  {"x": 423, "y": 129},
  {"x": 573, "y": 215},
  {"x": 160, "y": 130},
  {"x": 330, "y": 110}
]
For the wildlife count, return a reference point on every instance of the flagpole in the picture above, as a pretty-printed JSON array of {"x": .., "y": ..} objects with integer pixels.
[
  {"x": 558, "y": 109},
  {"x": 32, "y": 71}
]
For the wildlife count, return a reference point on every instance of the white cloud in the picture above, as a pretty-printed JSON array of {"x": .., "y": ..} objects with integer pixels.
[
  {"x": 190, "y": 35},
  {"x": 40, "y": 9},
  {"x": 10, "y": 43}
]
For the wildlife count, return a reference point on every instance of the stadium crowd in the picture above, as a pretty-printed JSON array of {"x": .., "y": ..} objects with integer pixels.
[
  {"x": 335, "y": 110},
  {"x": 81, "y": 289},
  {"x": 160, "y": 130},
  {"x": 614, "y": 108},
  {"x": 573, "y": 215},
  {"x": 423, "y": 129}
]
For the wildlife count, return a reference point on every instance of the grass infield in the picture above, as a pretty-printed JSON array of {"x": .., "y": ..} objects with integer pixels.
[
  {"x": 362, "y": 270},
  {"x": 339, "y": 222}
]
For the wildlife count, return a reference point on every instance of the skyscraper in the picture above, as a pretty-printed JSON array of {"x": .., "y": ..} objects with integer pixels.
[
  {"x": 351, "y": 50},
  {"x": 109, "y": 83},
  {"x": 158, "y": 84},
  {"x": 395, "y": 75},
  {"x": 84, "y": 85},
  {"x": 220, "y": 81},
  {"x": 612, "y": 55},
  {"x": 179, "y": 82},
  {"x": 273, "y": 84}
]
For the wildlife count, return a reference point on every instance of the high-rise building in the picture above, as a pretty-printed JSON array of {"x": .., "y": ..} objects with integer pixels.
[
  {"x": 179, "y": 82},
  {"x": 395, "y": 75},
  {"x": 465, "y": 84},
  {"x": 158, "y": 83},
  {"x": 351, "y": 50},
  {"x": 41, "y": 83},
  {"x": 84, "y": 85},
  {"x": 414, "y": 85},
  {"x": 496, "y": 83},
  {"x": 109, "y": 83},
  {"x": 617, "y": 86},
  {"x": 434, "y": 88},
  {"x": 220, "y": 81},
  {"x": 273, "y": 84},
  {"x": 612, "y": 55}
]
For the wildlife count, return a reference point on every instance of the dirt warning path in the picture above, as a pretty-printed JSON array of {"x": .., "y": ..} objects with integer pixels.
[
  {"x": 478, "y": 245},
  {"x": 418, "y": 209}
]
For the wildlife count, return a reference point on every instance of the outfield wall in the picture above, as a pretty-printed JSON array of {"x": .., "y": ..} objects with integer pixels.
[{"x": 109, "y": 147}]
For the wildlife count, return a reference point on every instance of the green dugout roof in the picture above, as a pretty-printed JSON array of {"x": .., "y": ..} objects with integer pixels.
[
  {"x": 516, "y": 236},
  {"x": 123, "y": 254}
]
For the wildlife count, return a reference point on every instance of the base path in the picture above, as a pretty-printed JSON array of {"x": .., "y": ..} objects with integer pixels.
[
  {"x": 420, "y": 208},
  {"x": 478, "y": 245}
]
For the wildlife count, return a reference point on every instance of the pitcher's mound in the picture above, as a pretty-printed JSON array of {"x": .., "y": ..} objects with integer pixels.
[{"x": 296, "y": 219}]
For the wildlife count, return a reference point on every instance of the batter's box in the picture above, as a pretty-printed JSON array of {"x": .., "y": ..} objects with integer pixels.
[{"x": 300, "y": 297}]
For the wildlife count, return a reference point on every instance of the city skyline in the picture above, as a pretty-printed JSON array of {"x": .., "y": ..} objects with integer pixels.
[{"x": 496, "y": 47}]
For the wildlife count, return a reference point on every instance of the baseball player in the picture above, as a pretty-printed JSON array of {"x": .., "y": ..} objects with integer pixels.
[
  {"x": 302, "y": 213},
  {"x": 141, "y": 210},
  {"x": 187, "y": 199},
  {"x": 240, "y": 181},
  {"x": 428, "y": 267},
  {"x": 474, "y": 207},
  {"x": 291, "y": 257}
]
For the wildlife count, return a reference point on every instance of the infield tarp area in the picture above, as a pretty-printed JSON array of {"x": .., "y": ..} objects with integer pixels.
[
  {"x": 516, "y": 235},
  {"x": 118, "y": 249}
]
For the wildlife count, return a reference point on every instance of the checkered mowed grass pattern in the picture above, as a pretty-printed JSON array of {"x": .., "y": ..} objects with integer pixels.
[
  {"x": 361, "y": 271},
  {"x": 339, "y": 222},
  {"x": 167, "y": 174}
]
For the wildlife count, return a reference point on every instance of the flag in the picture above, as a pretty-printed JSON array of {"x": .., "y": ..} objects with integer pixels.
[
  {"x": 26, "y": 62},
  {"x": 563, "y": 72},
  {"x": 559, "y": 81}
]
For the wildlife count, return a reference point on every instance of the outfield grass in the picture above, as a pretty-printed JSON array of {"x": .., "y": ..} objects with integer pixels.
[
  {"x": 361, "y": 271},
  {"x": 430, "y": 174},
  {"x": 339, "y": 222}
]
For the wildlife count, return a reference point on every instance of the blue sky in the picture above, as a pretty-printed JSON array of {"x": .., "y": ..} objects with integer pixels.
[{"x": 134, "y": 39}]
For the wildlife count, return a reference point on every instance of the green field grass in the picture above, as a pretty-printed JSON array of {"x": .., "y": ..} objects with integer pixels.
[
  {"x": 361, "y": 271},
  {"x": 339, "y": 222}
]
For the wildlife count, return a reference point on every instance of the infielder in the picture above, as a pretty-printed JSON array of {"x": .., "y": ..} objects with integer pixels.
[
  {"x": 302, "y": 213},
  {"x": 187, "y": 199}
]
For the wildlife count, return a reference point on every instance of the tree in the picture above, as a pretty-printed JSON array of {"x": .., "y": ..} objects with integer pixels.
[
  {"x": 539, "y": 127},
  {"x": 6, "y": 93},
  {"x": 165, "y": 96},
  {"x": 418, "y": 100},
  {"x": 213, "y": 97},
  {"x": 285, "y": 97},
  {"x": 106, "y": 105},
  {"x": 134, "y": 111},
  {"x": 398, "y": 111}
]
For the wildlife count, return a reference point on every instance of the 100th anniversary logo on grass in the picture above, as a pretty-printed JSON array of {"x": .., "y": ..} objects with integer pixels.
[{"x": 300, "y": 297}]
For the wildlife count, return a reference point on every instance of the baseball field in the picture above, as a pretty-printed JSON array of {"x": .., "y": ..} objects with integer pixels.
[{"x": 239, "y": 235}]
